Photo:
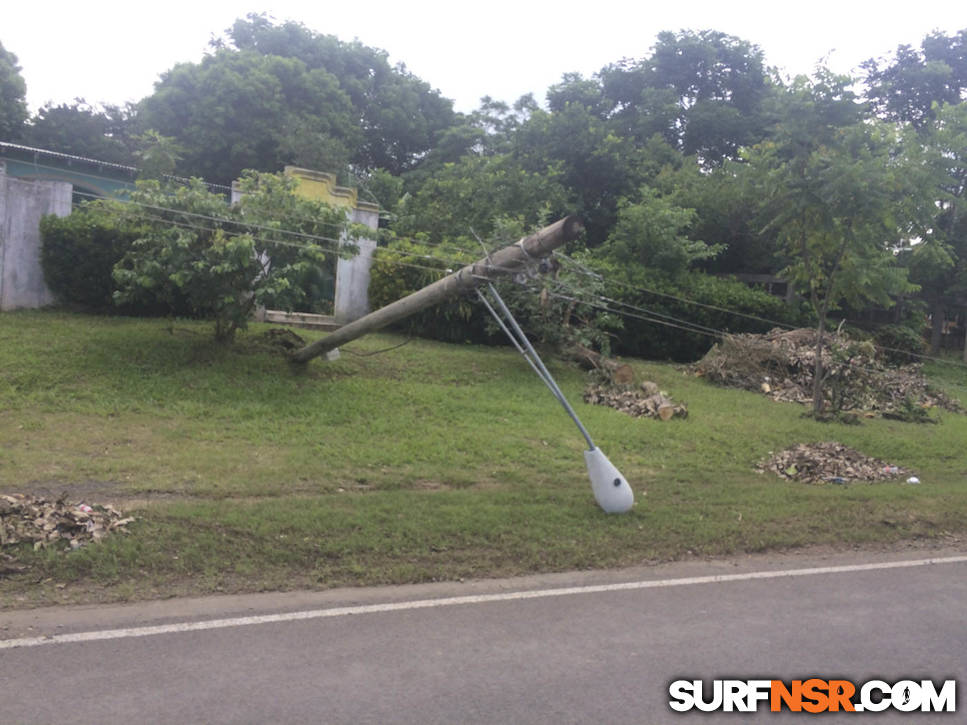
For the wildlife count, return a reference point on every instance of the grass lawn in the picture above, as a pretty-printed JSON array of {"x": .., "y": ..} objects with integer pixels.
[{"x": 428, "y": 462}]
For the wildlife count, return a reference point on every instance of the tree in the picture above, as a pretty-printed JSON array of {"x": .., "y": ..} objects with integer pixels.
[
  {"x": 240, "y": 109},
  {"x": 83, "y": 130},
  {"x": 939, "y": 262},
  {"x": 13, "y": 92},
  {"x": 653, "y": 233},
  {"x": 704, "y": 92},
  {"x": 597, "y": 166},
  {"x": 909, "y": 86},
  {"x": 473, "y": 198},
  {"x": 834, "y": 192},
  {"x": 157, "y": 155},
  {"x": 400, "y": 118},
  {"x": 225, "y": 261}
]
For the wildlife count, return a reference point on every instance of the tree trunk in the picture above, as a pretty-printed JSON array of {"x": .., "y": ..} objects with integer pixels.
[
  {"x": 818, "y": 369},
  {"x": 965, "y": 334},
  {"x": 936, "y": 326}
]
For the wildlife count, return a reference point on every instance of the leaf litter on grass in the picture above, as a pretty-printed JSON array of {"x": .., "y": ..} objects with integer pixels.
[
  {"x": 44, "y": 522},
  {"x": 781, "y": 364},
  {"x": 828, "y": 462}
]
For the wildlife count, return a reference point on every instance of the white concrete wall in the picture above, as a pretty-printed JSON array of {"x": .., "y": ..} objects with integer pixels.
[
  {"x": 22, "y": 204},
  {"x": 352, "y": 275}
]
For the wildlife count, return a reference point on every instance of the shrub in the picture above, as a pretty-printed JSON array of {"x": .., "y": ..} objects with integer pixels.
[
  {"x": 79, "y": 251},
  {"x": 226, "y": 260},
  {"x": 405, "y": 266},
  {"x": 693, "y": 298},
  {"x": 899, "y": 344}
]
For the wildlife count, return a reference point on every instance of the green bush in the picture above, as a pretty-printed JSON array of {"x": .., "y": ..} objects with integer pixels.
[
  {"x": 407, "y": 266},
  {"x": 899, "y": 344},
  {"x": 692, "y": 298},
  {"x": 224, "y": 261},
  {"x": 79, "y": 252}
]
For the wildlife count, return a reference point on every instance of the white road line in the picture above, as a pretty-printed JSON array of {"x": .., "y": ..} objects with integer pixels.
[{"x": 454, "y": 601}]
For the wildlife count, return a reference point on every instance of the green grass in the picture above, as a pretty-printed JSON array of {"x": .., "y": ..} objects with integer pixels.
[{"x": 428, "y": 462}]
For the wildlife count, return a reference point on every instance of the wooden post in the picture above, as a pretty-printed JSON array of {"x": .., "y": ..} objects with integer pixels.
[{"x": 504, "y": 261}]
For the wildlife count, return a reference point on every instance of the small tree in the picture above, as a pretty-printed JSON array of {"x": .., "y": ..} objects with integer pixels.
[
  {"x": 227, "y": 260},
  {"x": 835, "y": 194}
]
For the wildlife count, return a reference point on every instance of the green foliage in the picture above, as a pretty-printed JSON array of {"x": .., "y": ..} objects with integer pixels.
[
  {"x": 226, "y": 261},
  {"x": 652, "y": 233},
  {"x": 157, "y": 155},
  {"x": 833, "y": 189},
  {"x": 662, "y": 306},
  {"x": 704, "y": 92},
  {"x": 909, "y": 86},
  {"x": 13, "y": 97},
  {"x": 473, "y": 194},
  {"x": 79, "y": 251},
  {"x": 899, "y": 344},
  {"x": 406, "y": 266},
  {"x": 271, "y": 102},
  {"x": 83, "y": 129},
  {"x": 596, "y": 166},
  {"x": 397, "y": 116},
  {"x": 838, "y": 196}
]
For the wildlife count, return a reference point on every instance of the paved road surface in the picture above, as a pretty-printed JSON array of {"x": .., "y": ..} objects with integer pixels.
[{"x": 577, "y": 648}]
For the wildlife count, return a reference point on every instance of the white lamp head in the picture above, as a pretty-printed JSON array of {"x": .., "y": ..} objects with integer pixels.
[{"x": 610, "y": 488}]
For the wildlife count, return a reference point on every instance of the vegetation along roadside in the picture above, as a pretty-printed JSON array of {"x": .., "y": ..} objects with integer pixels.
[{"x": 432, "y": 461}]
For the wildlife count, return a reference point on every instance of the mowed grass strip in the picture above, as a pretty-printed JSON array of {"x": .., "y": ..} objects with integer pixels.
[{"x": 428, "y": 462}]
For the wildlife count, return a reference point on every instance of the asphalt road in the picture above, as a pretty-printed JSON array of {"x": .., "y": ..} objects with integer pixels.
[{"x": 577, "y": 648}]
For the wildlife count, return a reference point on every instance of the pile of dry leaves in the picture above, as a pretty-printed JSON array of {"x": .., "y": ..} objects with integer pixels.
[
  {"x": 644, "y": 400},
  {"x": 781, "y": 364},
  {"x": 26, "y": 518},
  {"x": 828, "y": 462}
]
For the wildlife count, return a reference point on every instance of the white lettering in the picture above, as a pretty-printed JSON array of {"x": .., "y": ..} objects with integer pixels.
[
  {"x": 866, "y": 696},
  {"x": 682, "y": 697},
  {"x": 943, "y": 701}
]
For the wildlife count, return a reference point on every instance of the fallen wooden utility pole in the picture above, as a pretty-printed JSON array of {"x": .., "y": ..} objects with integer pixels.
[{"x": 508, "y": 260}]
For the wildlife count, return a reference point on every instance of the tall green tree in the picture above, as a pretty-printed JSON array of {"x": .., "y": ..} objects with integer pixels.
[
  {"x": 82, "y": 129},
  {"x": 235, "y": 110},
  {"x": 909, "y": 85},
  {"x": 399, "y": 116},
  {"x": 835, "y": 194},
  {"x": 13, "y": 101},
  {"x": 597, "y": 166},
  {"x": 939, "y": 261},
  {"x": 705, "y": 92}
]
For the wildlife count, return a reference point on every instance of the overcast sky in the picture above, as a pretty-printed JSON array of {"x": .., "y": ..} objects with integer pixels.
[{"x": 113, "y": 52}]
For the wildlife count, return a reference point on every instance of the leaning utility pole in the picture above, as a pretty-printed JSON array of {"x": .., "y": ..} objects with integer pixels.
[{"x": 508, "y": 260}]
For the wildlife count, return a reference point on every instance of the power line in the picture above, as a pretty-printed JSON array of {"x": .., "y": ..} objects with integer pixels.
[
  {"x": 785, "y": 325},
  {"x": 640, "y": 313}
]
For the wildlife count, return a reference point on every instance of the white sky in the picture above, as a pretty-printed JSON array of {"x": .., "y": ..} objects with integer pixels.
[{"x": 113, "y": 52}]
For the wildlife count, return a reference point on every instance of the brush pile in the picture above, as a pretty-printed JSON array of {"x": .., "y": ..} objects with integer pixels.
[
  {"x": 26, "y": 518},
  {"x": 781, "y": 364},
  {"x": 638, "y": 401},
  {"x": 828, "y": 462}
]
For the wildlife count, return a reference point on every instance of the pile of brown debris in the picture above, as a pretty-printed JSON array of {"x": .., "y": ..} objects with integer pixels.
[
  {"x": 645, "y": 400},
  {"x": 26, "y": 518},
  {"x": 828, "y": 462},
  {"x": 781, "y": 364}
]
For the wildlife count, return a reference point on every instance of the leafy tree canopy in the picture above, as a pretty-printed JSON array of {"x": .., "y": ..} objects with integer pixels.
[
  {"x": 82, "y": 129},
  {"x": 240, "y": 109},
  {"x": 400, "y": 116},
  {"x": 13, "y": 93},
  {"x": 905, "y": 86}
]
